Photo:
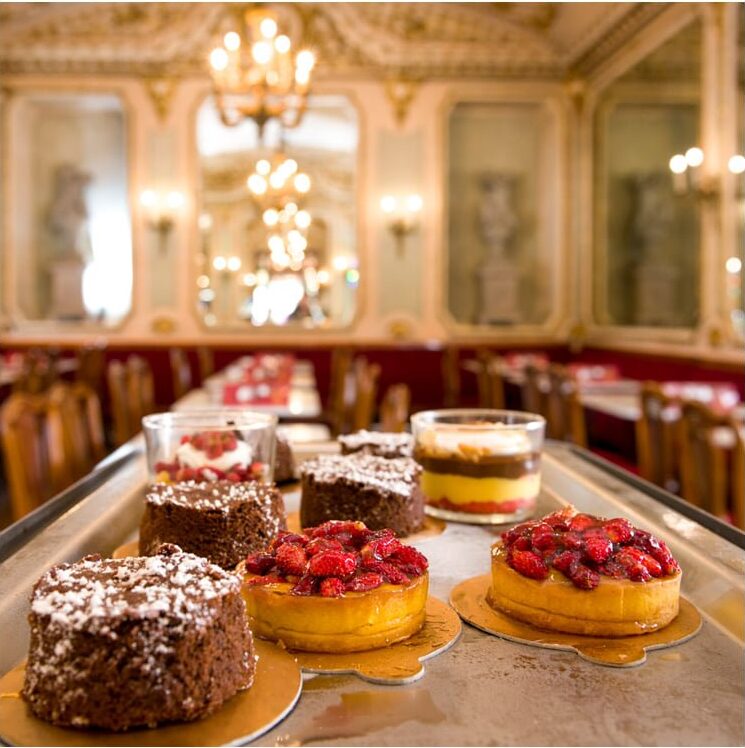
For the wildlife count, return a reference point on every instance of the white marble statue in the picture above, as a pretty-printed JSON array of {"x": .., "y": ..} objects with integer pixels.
[
  {"x": 497, "y": 217},
  {"x": 67, "y": 217}
]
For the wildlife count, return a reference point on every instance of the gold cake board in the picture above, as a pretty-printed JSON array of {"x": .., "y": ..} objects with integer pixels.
[
  {"x": 431, "y": 528},
  {"x": 396, "y": 664},
  {"x": 469, "y": 599},
  {"x": 243, "y": 718}
]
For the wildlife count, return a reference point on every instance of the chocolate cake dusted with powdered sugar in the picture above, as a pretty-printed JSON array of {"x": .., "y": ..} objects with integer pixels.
[
  {"x": 123, "y": 643},
  {"x": 375, "y": 490},
  {"x": 222, "y": 521},
  {"x": 380, "y": 443}
]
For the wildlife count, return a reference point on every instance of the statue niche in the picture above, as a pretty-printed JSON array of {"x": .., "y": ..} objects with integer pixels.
[
  {"x": 656, "y": 278},
  {"x": 68, "y": 242},
  {"x": 498, "y": 276}
]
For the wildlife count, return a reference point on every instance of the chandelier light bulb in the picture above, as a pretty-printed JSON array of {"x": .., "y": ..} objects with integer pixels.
[
  {"x": 694, "y": 157},
  {"x": 305, "y": 60},
  {"x": 234, "y": 264},
  {"x": 257, "y": 184},
  {"x": 291, "y": 209},
  {"x": 263, "y": 167},
  {"x": 276, "y": 180},
  {"x": 270, "y": 217},
  {"x": 302, "y": 183},
  {"x": 302, "y": 77},
  {"x": 219, "y": 263},
  {"x": 275, "y": 243},
  {"x": 262, "y": 52},
  {"x": 219, "y": 59},
  {"x": 290, "y": 166},
  {"x": 232, "y": 41},
  {"x": 736, "y": 164},
  {"x": 323, "y": 276},
  {"x": 282, "y": 44},
  {"x": 302, "y": 219},
  {"x": 678, "y": 163},
  {"x": 268, "y": 28}
]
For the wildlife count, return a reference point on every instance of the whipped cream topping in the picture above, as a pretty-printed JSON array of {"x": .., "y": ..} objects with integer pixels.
[
  {"x": 499, "y": 440},
  {"x": 189, "y": 456}
]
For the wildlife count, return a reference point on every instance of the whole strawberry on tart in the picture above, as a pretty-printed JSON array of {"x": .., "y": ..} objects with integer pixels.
[
  {"x": 339, "y": 587},
  {"x": 583, "y": 574}
]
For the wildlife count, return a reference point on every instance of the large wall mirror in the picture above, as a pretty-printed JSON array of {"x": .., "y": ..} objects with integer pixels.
[
  {"x": 503, "y": 233},
  {"x": 278, "y": 219},
  {"x": 734, "y": 265},
  {"x": 71, "y": 240},
  {"x": 647, "y": 202}
]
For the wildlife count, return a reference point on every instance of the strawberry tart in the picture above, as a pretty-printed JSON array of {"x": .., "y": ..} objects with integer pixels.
[
  {"x": 338, "y": 587},
  {"x": 582, "y": 574}
]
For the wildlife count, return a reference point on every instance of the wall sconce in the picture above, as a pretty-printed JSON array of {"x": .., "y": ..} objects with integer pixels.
[
  {"x": 161, "y": 211},
  {"x": 687, "y": 177},
  {"x": 402, "y": 217}
]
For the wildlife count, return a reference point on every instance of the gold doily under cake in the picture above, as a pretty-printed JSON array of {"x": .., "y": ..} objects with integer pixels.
[
  {"x": 431, "y": 528},
  {"x": 399, "y": 663},
  {"x": 469, "y": 599},
  {"x": 243, "y": 718}
]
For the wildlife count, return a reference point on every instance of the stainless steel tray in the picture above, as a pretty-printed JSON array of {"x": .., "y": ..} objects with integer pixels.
[{"x": 484, "y": 691}]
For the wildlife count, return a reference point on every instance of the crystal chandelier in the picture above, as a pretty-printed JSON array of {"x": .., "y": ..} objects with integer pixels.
[
  {"x": 279, "y": 188},
  {"x": 257, "y": 75}
]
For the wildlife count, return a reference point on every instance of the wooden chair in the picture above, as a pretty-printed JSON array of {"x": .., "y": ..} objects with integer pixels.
[
  {"x": 566, "y": 416},
  {"x": 451, "y": 376},
  {"x": 180, "y": 372},
  {"x": 394, "y": 408},
  {"x": 494, "y": 371},
  {"x": 738, "y": 475},
  {"x": 706, "y": 440},
  {"x": 206, "y": 362},
  {"x": 366, "y": 387},
  {"x": 36, "y": 466},
  {"x": 534, "y": 390},
  {"x": 657, "y": 437},
  {"x": 82, "y": 425},
  {"x": 91, "y": 365},
  {"x": 38, "y": 372},
  {"x": 339, "y": 386},
  {"x": 131, "y": 392}
]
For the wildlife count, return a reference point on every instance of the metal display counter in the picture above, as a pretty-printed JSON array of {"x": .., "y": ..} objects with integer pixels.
[{"x": 484, "y": 690}]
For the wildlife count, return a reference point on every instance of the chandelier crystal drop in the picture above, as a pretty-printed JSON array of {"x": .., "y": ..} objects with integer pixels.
[{"x": 257, "y": 74}]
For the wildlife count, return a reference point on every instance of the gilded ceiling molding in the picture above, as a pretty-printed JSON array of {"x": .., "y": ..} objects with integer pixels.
[
  {"x": 636, "y": 18},
  {"x": 161, "y": 91}
]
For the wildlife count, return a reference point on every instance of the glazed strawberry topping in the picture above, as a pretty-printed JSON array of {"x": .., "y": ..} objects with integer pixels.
[
  {"x": 334, "y": 558},
  {"x": 584, "y": 548}
]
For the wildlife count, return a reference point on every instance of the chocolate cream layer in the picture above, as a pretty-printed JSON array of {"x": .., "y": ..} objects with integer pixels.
[{"x": 485, "y": 466}]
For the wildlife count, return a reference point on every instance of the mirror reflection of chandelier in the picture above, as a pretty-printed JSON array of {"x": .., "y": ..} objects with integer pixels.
[
  {"x": 278, "y": 188},
  {"x": 257, "y": 74}
]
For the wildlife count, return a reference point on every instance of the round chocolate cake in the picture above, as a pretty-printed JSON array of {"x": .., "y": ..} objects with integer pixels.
[
  {"x": 222, "y": 520},
  {"x": 375, "y": 490},
  {"x": 123, "y": 643},
  {"x": 380, "y": 443}
]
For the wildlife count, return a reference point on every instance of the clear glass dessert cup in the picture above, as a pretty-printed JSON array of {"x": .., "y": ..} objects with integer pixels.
[
  {"x": 479, "y": 466},
  {"x": 209, "y": 445}
]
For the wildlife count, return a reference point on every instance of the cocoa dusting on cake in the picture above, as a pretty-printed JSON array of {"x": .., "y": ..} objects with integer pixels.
[
  {"x": 222, "y": 521},
  {"x": 380, "y": 443},
  {"x": 378, "y": 491},
  {"x": 119, "y": 643}
]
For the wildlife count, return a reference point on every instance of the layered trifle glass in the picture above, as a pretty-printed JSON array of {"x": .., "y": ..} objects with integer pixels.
[{"x": 479, "y": 466}]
